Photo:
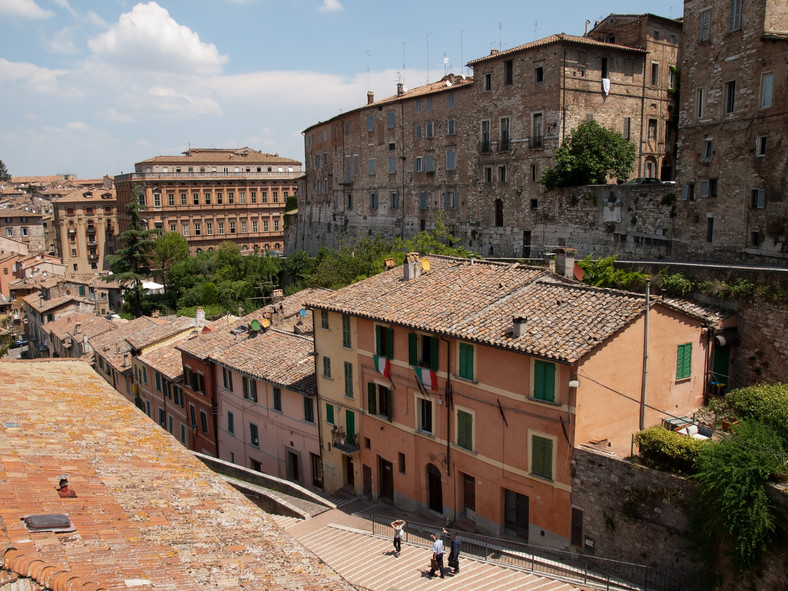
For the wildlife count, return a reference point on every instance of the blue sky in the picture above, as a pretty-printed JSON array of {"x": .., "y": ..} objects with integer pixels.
[{"x": 91, "y": 87}]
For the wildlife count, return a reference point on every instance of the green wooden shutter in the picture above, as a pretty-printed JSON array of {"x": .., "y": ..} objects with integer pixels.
[
  {"x": 464, "y": 430},
  {"x": 350, "y": 425},
  {"x": 329, "y": 413},
  {"x": 372, "y": 406},
  {"x": 544, "y": 380},
  {"x": 413, "y": 349},
  {"x": 684, "y": 361},
  {"x": 433, "y": 354},
  {"x": 542, "y": 457},
  {"x": 390, "y": 343},
  {"x": 466, "y": 361},
  {"x": 378, "y": 340}
]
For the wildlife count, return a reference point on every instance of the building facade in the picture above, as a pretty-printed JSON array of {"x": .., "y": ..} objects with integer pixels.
[
  {"x": 26, "y": 227},
  {"x": 85, "y": 228},
  {"x": 214, "y": 195},
  {"x": 733, "y": 158}
]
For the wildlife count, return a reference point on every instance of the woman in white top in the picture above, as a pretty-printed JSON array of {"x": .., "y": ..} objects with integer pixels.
[{"x": 398, "y": 526}]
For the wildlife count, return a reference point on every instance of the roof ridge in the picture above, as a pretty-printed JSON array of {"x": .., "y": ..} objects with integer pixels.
[{"x": 50, "y": 576}]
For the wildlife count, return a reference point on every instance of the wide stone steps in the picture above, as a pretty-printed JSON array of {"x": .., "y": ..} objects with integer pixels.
[{"x": 371, "y": 562}]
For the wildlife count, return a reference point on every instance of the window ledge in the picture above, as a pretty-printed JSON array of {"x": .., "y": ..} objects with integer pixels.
[
  {"x": 469, "y": 380},
  {"x": 532, "y": 398}
]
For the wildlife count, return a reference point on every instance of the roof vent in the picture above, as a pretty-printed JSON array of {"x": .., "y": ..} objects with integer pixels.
[
  {"x": 63, "y": 489},
  {"x": 518, "y": 326},
  {"x": 54, "y": 522},
  {"x": 412, "y": 268}
]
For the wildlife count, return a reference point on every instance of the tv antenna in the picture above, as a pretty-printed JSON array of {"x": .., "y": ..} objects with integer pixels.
[{"x": 368, "y": 52}]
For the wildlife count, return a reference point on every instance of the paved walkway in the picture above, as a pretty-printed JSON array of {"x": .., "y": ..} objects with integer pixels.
[{"x": 342, "y": 538}]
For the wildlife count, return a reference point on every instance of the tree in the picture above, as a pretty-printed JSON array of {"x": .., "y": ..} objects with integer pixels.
[
  {"x": 170, "y": 248},
  {"x": 131, "y": 264},
  {"x": 588, "y": 156},
  {"x": 4, "y": 174}
]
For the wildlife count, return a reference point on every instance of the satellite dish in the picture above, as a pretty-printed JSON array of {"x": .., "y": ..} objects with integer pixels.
[
  {"x": 425, "y": 265},
  {"x": 302, "y": 312},
  {"x": 266, "y": 323},
  {"x": 255, "y": 325}
]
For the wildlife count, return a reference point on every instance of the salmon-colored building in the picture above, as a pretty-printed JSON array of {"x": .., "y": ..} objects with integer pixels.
[{"x": 462, "y": 387}]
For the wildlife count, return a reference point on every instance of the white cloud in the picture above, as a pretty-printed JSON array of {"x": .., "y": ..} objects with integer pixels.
[
  {"x": 114, "y": 115},
  {"x": 147, "y": 38},
  {"x": 330, "y": 6},
  {"x": 96, "y": 20},
  {"x": 61, "y": 42},
  {"x": 67, "y": 6},
  {"x": 23, "y": 9},
  {"x": 68, "y": 127},
  {"x": 29, "y": 76},
  {"x": 174, "y": 103}
]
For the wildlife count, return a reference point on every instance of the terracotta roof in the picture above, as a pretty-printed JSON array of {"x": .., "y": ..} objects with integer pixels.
[
  {"x": 274, "y": 356},
  {"x": 148, "y": 514},
  {"x": 707, "y": 313},
  {"x": 169, "y": 328},
  {"x": 87, "y": 195},
  {"x": 559, "y": 38},
  {"x": 477, "y": 301},
  {"x": 34, "y": 301},
  {"x": 113, "y": 344},
  {"x": 90, "y": 325},
  {"x": 167, "y": 360},
  {"x": 16, "y": 213},
  {"x": 218, "y": 156}
]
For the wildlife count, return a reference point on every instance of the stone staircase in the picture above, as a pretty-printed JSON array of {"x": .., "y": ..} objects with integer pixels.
[{"x": 371, "y": 563}]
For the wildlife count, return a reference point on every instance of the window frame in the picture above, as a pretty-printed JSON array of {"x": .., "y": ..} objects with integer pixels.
[
  {"x": 466, "y": 355},
  {"x": 463, "y": 431},
  {"x": 348, "y": 379},
  {"x": 536, "y": 462},
  {"x": 762, "y": 93},
  {"x": 379, "y": 400},
  {"x": 540, "y": 383},
  {"x": 683, "y": 361}
]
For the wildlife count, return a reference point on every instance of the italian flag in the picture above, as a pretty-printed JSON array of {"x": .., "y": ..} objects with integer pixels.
[
  {"x": 427, "y": 377},
  {"x": 383, "y": 365}
]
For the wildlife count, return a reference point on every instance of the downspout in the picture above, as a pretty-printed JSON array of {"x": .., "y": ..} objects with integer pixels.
[
  {"x": 642, "y": 119},
  {"x": 317, "y": 413},
  {"x": 563, "y": 106},
  {"x": 645, "y": 359},
  {"x": 402, "y": 162},
  {"x": 449, "y": 403}
]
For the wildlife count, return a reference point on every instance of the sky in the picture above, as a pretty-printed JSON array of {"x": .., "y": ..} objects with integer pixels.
[{"x": 90, "y": 88}]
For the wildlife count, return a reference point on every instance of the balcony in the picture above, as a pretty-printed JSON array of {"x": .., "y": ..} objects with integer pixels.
[
  {"x": 537, "y": 142},
  {"x": 340, "y": 441},
  {"x": 485, "y": 146}
]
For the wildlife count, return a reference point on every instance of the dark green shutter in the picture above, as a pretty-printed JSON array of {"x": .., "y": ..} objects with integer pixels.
[
  {"x": 350, "y": 426},
  {"x": 542, "y": 457},
  {"x": 544, "y": 380},
  {"x": 433, "y": 354},
  {"x": 390, "y": 343},
  {"x": 330, "y": 413},
  {"x": 372, "y": 406},
  {"x": 464, "y": 430},
  {"x": 466, "y": 361},
  {"x": 413, "y": 349},
  {"x": 378, "y": 340},
  {"x": 684, "y": 361}
]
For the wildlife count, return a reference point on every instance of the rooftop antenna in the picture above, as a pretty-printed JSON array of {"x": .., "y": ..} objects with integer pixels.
[
  {"x": 402, "y": 75},
  {"x": 445, "y": 64},
  {"x": 500, "y": 45},
  {"x": 368, "y": 53},
  {"x": 462, "y": 61},
  {"x": 428, "y": 57},
  {"x": 536, "y": 29}
]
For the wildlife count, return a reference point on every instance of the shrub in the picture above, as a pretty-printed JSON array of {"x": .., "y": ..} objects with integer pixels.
[
  {"x": 766, "y": 403},
  {"x": 669, "y": 451}
]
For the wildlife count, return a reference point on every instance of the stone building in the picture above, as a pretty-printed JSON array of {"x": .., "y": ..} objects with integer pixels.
[
  {"x": 732, "y": 159},
  {"x": 85, "y": 227},
  {"x": 214, "y": 195},
  {"x": 475, "y": 148},
  {"x": 24, "y": 226}
]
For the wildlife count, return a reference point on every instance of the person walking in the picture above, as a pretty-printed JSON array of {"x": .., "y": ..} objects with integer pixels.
[
  {"x": 398, "y": 525},
  {"x": 437, "y": 556},
  {"x": 454, "y": 550}
]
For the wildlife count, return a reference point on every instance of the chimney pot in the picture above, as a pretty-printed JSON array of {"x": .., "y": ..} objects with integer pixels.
[
  {"x": 400, "y": 89},
  {"x": 518, "y": 324},
  {"x": 412, "y": 267},
  {"x": 565, "y": 262},
  {"x": 370, "y": 97}
]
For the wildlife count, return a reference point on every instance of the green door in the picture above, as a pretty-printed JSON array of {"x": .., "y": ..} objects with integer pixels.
[
  {"x": 721, "y": 365},
  {"x": 350, "y": 426}
]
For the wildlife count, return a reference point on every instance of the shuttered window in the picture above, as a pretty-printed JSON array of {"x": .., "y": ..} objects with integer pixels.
[
  {"x": 466, "y": 361},
  {"x": 465, "y": 430},
  {"x": 684, "y": 361},
  {"x": 544, "y": 380},
  {"x": 542, "y": 457}
]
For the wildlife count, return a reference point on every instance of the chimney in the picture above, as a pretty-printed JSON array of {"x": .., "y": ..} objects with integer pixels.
[
  {"x": 400, "y": 89},
  {"x": 370, "y": 97},
  {"x": 412, "y": 267},
  {"x": 518, "y": 325},
  {"x": 125, "y": 359},
  {"x": 549, "y": 262},
  {"x": 277, "y": 296},
  {"x": 199, "y": 316},
  {"x": 40, "y": 301},
  {"x": 77, "y": 327},
  {"x": 565, "y": 262}
]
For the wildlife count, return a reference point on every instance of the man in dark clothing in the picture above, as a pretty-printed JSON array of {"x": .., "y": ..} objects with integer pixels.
[{"x": 454, "y": 551}]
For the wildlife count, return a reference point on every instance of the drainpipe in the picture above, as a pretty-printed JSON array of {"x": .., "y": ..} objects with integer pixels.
[
  {"x": 645, "y": 360},
  {"x": 402, "y": 164},
  {"x": 448, "y": 405}
]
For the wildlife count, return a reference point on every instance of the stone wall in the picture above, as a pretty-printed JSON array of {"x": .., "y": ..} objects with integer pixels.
[{"x": 762, "y": 355}]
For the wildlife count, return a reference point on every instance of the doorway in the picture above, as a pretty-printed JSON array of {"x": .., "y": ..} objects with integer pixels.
[
  {"x": 292, "y": 466},
  {"x": 349, "y": 478},
  {"x": 516, "y": 517},
  {"x": 469, "y": 496},
  {"x": 434, "y": 488},
  {"x": 386, "y": 474}
]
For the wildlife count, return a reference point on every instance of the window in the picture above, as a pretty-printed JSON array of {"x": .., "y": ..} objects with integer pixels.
[
  {"x": 253, "y": 196},
  {"x": 452, "y": 127},
  {"x": 329, "y": 413},
  {"x": 349, "y": 201},
  {"x": 508, "y": 72},
  {"x": 370, "y": 122},
  {"x": 423, "y": 351},
  {"x": 537, "y": 131},
  {"x": 465, "y": 429},
  {"x": 346, "y": 331},
  {"x": 485, "y": 147},
  {"x": 503, "y": 143},
  {"x": 688, "y": 192},
  {"x": 730, "y": 96},
  {"x": 605, "y": 68},
  {"x": 672, "y": 77},
  {"x": 654, "y": 74},
  {"x": 418, "y": 164},
  {"x": 227, "y": 379},
  {"x": 705, "y": 25},
  {"x": 542, "y": 457},
  {"x": 418, "y": 106},
  {"x": 767, "y": 81},
  {"x": 430, "y": 129},
  {"x": 429, "y": 104},
  {"x": 394, "y": 200},
  {"x": 197, "y": 228},
  {"x": 652, "y": 129},
  {"x": 390, "y": 119},
  {"x": 699, "y": 100},
  {"x": 372, "y": 166},
  {"x": 487, "y": 82},
  {"x": 207, "y": 196},
  {"x": 451, "y": 99},
  {"x": 157, "y": 200},
  {"x": 430, "y": 164},
  {"x": 204, "y": 421},
  {"x": 544, "y": 380},
  {"x": 250, "y": 388},
  {"x": 627, "y": 128},
  {"x": 156, "y": 375},
  {"x": 707, "y": 148},
  {"x": 183, "y": 434},
  {"x": 327, "y": 367},
  {"x": 451, "y": 160},
  {"x": 348, "y": 379},
  {"x": 373, "y": 200},
  {"x": 418, "y": 132},
  {"x": 734, "y": 15},
  {"x": 423, "y": 204},
  {"x": 466, "y": 361},
  {"x": 538, "y": 74},
  {"x": 384, "y": 341},
  {"x": 379, "y": 400},
  {"x": 760, "y": 145},
  {"x": 309, "y": 410},
  {"x": 221, "y": 228},
  {"x": 758, "y": 198},
  {"x": 324, "y": 319},
  {"x": 502, "y": 174},
  {"x": 425, "y": 415},
  {"x": 392, "y": 164},
  {"x": 254, "y": 438},
  {"x": 401, "y": 462},
  {"x": 209, "y": 228},
  {"x": 709, "y": 229},
  {"x": 277, "y": 399},
  {"x": 242, "y": 195},
  {"x": 230, "y": 423},
  {"x": 162, "y": 418},
  {"x": 684, "y": 361}
]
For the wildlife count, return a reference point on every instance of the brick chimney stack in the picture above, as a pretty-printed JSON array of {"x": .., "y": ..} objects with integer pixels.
[
  {"x": 400, "y": 89},
  {"x": 412, "y": 267},
  {"x": 565, "y": 262},
  {"x": 370, "y": 97}
]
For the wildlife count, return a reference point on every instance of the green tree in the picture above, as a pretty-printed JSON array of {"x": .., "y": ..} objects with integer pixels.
[
  {"x": 589, "y": 155},
  {"x": 4, "y": 174},
  {"x": 170, "y": 248},
  {"x": 131, "y": 264}
]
